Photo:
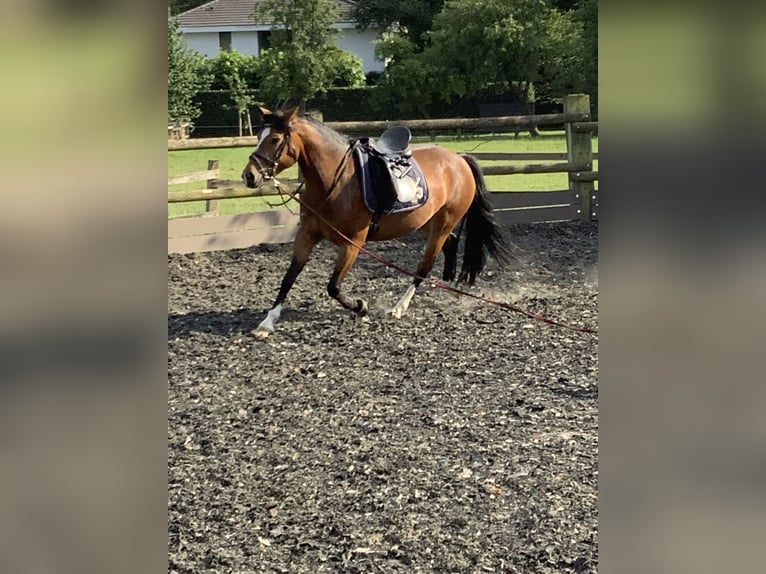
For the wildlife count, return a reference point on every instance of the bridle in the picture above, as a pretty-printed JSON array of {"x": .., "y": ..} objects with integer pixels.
[{"x": 268, "y": 171}]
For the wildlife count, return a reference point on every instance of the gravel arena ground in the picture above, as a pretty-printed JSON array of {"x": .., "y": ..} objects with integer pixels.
[{"x": 460, "y": 438}]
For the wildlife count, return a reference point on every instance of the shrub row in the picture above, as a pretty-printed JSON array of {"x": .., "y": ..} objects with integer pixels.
[{"x": 368, "y": 103}]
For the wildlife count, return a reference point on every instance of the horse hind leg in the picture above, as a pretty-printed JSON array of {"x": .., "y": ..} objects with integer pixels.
[
  {"x": 346, "y": 258},
  {"x": 436, "y": 241},
  {"x": 450, "y": 257}
]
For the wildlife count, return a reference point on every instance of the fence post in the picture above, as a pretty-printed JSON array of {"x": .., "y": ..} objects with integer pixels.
[
  {"x": 211, "y": 205},
  {"x": 580, "y": 152}
]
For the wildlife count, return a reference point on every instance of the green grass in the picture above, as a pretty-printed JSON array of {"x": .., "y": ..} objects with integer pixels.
[
  {"x": 232, "y": 160},
  {"x": 546, "y": 142}
]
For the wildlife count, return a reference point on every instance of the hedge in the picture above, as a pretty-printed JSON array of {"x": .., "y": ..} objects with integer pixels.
[{"x": 218, "y": 118}]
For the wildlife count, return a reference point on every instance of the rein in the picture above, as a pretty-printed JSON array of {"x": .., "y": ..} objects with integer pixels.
[{"x": 435, "y": 282}]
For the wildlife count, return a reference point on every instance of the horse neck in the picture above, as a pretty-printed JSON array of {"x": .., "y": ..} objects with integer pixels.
[{"x": 319, "y": 161}]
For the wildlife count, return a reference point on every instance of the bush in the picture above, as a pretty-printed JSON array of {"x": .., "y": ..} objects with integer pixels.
[
  {"x": 346, "y": 104},
  {"x": 218, "y": 118},
  {"x": 186, "y": 77},
  {"x": 349, "y": 72},
  {"x": 366, "y": 103},
  {"x": 232, "y": 63},
  {"x": 373, "y": 78}
]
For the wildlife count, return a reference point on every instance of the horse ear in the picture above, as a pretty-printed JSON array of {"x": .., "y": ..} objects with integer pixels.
[
  {"x": 267, "y": 116},
  {"x": 291, "y": 114}
]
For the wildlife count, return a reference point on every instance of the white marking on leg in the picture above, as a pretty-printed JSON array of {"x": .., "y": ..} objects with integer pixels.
[
  {"x": 266, "y": 327},
  {"x": 403, "y": 303}
]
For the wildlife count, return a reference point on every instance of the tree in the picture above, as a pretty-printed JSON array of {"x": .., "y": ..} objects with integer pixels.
[
  {"x": 411, "y": 79},
  {"x": 562, "y": 68},
  {"x": 178, "y": 6},
  {"x": 499, "y": 45},
  {"x": 410, "y": 19},
  {"x": 587, "y": 14},
  {"x": 231, "y": 69},
  {"x": 186, "y": 77},
  {"x": 500, "y": 41},
  {"x": 303, "y": 58},
  {"x": 349, "y": 71}
]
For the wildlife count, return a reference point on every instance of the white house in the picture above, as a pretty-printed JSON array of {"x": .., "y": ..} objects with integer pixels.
[{"x": 232, "y": 24}]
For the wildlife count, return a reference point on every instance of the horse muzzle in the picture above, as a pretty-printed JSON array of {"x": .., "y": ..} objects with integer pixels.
[{"x": 249, "y": 179}]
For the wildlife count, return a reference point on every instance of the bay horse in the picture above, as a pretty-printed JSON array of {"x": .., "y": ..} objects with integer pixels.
[{"x": 332, "y": 203}]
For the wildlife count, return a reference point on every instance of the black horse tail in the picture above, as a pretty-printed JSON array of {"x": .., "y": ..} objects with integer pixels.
[{"x": 483, "y": 235}]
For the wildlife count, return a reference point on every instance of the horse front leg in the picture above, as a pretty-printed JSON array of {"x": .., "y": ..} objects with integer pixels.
[
  {"x": 302, "y": 248},
  {"x": 346, "y": 257}
]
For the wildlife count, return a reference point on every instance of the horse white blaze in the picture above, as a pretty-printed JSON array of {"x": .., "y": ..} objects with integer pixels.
[
  {"x": 267, "y": 325},
  {"x": 264, "y": 134},
  {"x": 403, "y": 303}
]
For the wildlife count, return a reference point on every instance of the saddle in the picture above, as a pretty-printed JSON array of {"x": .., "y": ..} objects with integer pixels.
[
  {"x": 392, "y": 180},
  {"x": 393, "y": 143}
]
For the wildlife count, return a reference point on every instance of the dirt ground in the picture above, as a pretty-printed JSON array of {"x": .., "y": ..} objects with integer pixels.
[{"x": 460, "y": 438}]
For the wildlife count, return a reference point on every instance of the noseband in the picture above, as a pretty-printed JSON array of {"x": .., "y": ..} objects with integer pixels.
[{"x": 259, "y": 159}]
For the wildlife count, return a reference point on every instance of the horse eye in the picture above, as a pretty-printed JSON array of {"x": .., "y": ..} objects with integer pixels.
[{"x": 274, "y": 141}]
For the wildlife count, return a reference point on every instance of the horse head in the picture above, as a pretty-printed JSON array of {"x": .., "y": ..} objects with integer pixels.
[{"x": 276, "y": 149}]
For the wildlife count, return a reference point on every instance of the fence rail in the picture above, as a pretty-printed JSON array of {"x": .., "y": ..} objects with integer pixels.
[
  {"x": 588, "y": 127},
  {"x": 210, "y": 174},
  {"x": 418, "y": 127},
  {"x": 580, "y": 201},
  {"x": 229, "y": 192}
]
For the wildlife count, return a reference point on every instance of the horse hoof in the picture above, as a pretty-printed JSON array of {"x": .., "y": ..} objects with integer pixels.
[
  {"x": 396, "y": 313},
  {"x": 361, "y": 308},
  {"x": 261, "y": 333}
]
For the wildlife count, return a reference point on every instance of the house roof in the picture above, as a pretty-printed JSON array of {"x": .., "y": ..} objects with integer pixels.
[{"x": 240, "y": 13}]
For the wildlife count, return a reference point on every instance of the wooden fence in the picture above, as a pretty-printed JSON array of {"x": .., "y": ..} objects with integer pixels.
[
  {"x": 179, "y": 130},
  {"x": 212, "y": 231}
]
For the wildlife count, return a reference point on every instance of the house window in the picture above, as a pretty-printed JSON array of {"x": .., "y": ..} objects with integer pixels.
[
  {"x": 264, "y": 40},
  {"x": 224, "y": 41}
]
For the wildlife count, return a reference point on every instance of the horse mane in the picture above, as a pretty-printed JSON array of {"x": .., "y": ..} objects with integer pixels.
[{"x": 329, "y": 135}]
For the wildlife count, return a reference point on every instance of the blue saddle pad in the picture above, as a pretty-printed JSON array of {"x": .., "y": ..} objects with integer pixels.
[{"x": 411, "y": 189}]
